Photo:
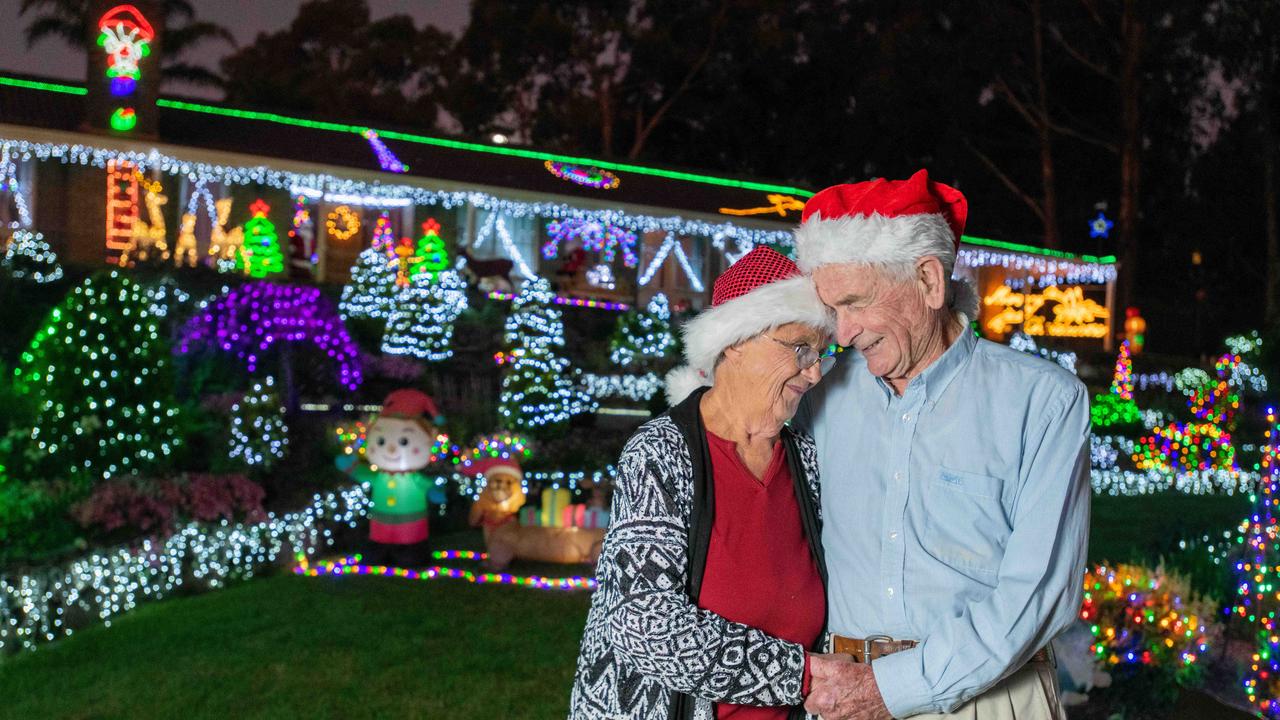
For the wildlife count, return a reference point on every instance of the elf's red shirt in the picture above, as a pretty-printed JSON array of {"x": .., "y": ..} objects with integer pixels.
[{"x": 759, "y": 569}]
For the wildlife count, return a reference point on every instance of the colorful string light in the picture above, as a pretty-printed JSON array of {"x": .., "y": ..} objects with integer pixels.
[
  {"x": 1138, "y": 616},
  {"x": 594, "y": 236},
  {"x": 351, "y": 565},
  {"x": 246, "y": 321},
  {"x": 592, "y": 177},
  {"x": 570, "y": 302},
  {"x": 387, "y": 160}
]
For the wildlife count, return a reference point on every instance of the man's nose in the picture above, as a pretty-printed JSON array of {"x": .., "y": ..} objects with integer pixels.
[{"x": 847, "y": 328}]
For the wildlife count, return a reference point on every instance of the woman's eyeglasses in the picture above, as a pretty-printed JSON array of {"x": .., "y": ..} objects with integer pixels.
[{"x": 807, "y": 355}]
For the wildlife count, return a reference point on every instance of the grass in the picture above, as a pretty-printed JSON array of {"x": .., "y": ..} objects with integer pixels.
[
  {"x": 363, "y": 647},
  {"x": 287, "y": 646}
]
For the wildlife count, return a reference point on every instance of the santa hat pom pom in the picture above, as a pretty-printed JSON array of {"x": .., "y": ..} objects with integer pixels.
[{"x": 684, "y": 380}]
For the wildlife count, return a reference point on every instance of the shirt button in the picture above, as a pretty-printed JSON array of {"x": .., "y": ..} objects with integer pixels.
[
  {"x": 893, "y": 536},
  {"x": 890, "y": 592},
  {"x": 897, "y": 476},
  {"x": 906, "y": 417}
]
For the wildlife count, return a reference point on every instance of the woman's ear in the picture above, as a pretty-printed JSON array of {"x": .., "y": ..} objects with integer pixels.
[{"x": 933, "y": 280}]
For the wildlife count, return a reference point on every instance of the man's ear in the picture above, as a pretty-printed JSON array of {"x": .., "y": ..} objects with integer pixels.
[{"x": 933, "y": 280}]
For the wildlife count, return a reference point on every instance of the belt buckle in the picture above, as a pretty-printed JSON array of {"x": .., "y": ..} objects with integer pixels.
[{"x": 866, "y": 645}]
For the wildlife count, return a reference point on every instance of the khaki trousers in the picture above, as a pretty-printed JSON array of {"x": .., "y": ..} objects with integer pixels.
[{"x": 1029, "y": 694}]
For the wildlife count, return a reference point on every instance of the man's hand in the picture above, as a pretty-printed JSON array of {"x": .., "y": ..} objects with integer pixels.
[{"x": 840, "y": 689}]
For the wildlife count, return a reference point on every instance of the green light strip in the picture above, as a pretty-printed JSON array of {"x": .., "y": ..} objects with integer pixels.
[
  {"x": 51, "y": 87},
  {"x": 479, "y": 147},
  {"x": 1032, "y": 250}
]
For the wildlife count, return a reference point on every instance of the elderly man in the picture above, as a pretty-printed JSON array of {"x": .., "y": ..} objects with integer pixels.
[{"x": 954, "y": 474}]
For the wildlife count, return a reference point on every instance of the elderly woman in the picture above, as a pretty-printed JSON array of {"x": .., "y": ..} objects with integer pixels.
[{"x": 712, "y": 582}]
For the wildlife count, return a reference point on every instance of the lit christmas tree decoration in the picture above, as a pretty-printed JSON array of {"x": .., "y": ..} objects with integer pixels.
[
  {"x": 1122, "y": 378},
  {"x": 420, "y": 322},
  {"x": 98, "y": 371},
  {"x": 372, "y": 290},
  {"x": 246, "y": 321},
  {"x": 261, "y": 255},
  {"x": 259, "y": 435},
  {"x": 434, "y": 256},
  {"x": 29, "y": 257},
  {"x": 538, "y": 389},
  {"x": 643, "y": 337}
]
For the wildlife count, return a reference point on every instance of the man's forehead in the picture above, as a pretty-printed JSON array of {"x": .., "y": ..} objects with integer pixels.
[{"x": 835, "y": 282}]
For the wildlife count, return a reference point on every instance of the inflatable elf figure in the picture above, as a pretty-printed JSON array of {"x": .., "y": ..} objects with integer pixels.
[{"x": 398, "y": 447}]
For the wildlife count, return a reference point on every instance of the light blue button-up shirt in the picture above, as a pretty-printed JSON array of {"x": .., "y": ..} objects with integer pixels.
[{"x": 956, "y": 515}]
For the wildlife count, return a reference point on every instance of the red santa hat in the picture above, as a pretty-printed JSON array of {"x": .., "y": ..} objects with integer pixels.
[
  {"x": 762, "y": 290},
  {"x": 885, "y": 222},
  {"x": 492, "y": 466},
  {"x": 411, "y": 404}
]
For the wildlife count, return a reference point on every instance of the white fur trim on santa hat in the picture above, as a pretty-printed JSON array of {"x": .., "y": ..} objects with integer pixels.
[
  {"x": 684, "y": 380},
  {"x": 793, "y": 300},
  {"x": 871, "y": 239}
]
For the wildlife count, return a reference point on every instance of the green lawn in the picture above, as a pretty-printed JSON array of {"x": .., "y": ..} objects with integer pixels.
[
  {"x": 356, "y": 647},
  {"x": 290, "y": 646}
]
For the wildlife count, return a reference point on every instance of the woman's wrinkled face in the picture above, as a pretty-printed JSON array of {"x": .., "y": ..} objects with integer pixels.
[
  {"x": 398, "y": 445},
  {"x": 501, "y": 486},
  {"x": 769, "y": 361}
]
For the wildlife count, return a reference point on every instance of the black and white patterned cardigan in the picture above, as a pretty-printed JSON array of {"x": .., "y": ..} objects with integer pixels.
[{"x": 648, "y": 650}]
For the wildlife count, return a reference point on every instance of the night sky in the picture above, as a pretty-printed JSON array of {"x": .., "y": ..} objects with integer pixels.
[{"x": 244, "y": 18}]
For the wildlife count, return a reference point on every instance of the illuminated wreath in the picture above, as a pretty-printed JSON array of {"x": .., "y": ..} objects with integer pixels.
[
  {"x": 591, "y": 177},
  {"x": 342, "y": 223}
]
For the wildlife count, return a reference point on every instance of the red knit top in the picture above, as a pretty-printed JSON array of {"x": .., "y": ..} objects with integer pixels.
[{"x": 760, "y": 571}]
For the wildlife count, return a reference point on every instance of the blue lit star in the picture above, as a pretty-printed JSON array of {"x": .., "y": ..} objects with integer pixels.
[{"x": 1100, "y": 226}]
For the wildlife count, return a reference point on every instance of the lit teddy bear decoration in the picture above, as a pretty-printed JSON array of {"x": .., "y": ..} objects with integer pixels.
[{"x": 401, "y": 442}]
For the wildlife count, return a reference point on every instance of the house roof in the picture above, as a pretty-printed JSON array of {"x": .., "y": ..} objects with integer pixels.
[{"x": 59, "y": 106}]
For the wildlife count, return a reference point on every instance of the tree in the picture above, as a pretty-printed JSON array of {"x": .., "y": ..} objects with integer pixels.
[
  {"x": 261, "y": 255},
  {"x": 67, "y": 20},
  {"x": 421, "y": 318},
  {"x": 538, "y": 392},
  {"x": 435, "y": 256},
  {"x": 371, "y": 292},
  {"x": 554, "y": 72},
  {"x": 333, "y": 61},
  {"x": 29, "y": 257},
  {"x": 98, "y": 371},
  {"x": 259, "y": 435},
  {"x": 643, "y": 337}
]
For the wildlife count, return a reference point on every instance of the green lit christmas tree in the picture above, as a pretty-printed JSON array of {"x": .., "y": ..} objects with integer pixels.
[
  {"x": 98, "y": 374},
  {"x": 261, "y": 255},
  {"x": 538, "y": 390},
  {"x": 435, "y": 257}
]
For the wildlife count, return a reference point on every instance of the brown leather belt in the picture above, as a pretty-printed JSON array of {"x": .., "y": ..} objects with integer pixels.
[{"x": 877, "y": 646}]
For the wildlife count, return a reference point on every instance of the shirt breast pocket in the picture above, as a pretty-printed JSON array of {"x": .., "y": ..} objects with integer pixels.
[{"x": 965, "y": 523}]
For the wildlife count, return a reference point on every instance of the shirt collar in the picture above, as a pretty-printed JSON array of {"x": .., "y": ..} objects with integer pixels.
[
  {"x": 935, "y": 378},
  {"x": 939, "y": 375}
]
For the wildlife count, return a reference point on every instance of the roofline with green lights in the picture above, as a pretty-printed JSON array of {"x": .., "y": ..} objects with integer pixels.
[
  {"x": 1032, "y": 250},
  {"x": 277, "y": 118}
]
